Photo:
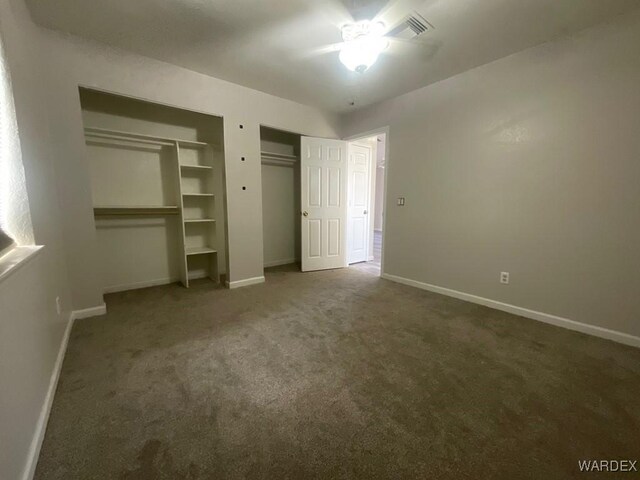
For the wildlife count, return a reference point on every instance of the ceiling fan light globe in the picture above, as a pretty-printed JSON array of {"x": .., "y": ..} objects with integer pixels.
[{"x": 358, "y": 55}]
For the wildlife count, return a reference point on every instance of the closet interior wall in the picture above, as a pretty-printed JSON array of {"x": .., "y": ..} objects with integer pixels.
[
  {"x": 157, "y": 222},
  {"x": 280, "y": 196}
]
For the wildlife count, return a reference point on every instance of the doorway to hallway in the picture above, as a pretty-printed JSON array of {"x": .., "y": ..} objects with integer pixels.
[{"x": 365, "y": 219}]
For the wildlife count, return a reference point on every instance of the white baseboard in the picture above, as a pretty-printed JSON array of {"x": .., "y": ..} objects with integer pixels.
[
  {"x": 277, "y": 263},
  {"x": 89, "y": 312},
  {"x": 601, "y": 332},
  {"x": 144, "y": 284},
  {"x": 153, "y": 283},
  {"x": 41, "y": 426},
  {"x": 246, "y": 282}
]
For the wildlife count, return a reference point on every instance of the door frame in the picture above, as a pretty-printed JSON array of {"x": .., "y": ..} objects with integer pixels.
[{"x": 367, "y": 134}]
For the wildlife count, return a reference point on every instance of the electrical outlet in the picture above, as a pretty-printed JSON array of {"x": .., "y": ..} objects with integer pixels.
[
  {"x": 58, "y": 305},
  {"x": 504, "y": 277}
]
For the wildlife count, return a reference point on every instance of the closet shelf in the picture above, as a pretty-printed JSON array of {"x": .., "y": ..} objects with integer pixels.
[
  {"x": 198, "y": 195},
  {"x": 138, "y": 210},
  {"x": 199, "y": 220},
  {"x": 196, "y": 167},
  {"x": 142, "y": 138},
  {"x": 278, "y": 159},
  {"x": 191, "y": 144},
  {"x": 199, "y": 250}
]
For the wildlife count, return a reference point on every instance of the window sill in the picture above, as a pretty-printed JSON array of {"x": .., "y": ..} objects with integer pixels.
[{"x": 16, "y": 258}]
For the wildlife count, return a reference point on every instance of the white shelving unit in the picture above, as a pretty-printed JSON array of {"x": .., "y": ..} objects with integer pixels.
[
  {"x": 195, "y": 195},
  {"x": 199, "y": 235}
]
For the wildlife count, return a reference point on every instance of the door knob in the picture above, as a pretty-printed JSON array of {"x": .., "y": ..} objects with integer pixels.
[{"x": 305, "y": 213}]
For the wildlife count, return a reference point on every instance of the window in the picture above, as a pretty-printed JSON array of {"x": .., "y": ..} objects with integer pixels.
[{"x": 15, "y": 219}]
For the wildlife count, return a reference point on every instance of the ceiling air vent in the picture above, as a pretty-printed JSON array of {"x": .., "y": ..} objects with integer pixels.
[
  {"x": 413, "y": 26},
  {"x": 417, "y": 24}
]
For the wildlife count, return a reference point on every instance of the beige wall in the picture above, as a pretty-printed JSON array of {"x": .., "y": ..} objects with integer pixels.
[
  {"x": 531, "y": 165},
  {"x": 30, "y": 328}
]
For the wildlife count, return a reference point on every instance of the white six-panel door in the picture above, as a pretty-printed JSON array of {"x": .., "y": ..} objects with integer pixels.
[
  {"x": 358, "y": 199},
  {"x": 323, "y": 167}
]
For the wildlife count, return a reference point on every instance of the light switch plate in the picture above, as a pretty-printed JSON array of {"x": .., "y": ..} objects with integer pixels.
[{"x": 401, "y": 201}]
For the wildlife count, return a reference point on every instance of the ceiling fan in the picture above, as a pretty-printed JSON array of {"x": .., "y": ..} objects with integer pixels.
[
  {"x": 362, "y": 44},
  {"x": 364, "y": 39}
]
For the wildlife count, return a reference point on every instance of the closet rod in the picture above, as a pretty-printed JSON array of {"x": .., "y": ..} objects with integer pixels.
[{"x": 278, "y": 159}]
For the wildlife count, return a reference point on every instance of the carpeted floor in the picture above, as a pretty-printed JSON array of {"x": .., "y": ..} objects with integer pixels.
[{"x": 334, "y": 374}]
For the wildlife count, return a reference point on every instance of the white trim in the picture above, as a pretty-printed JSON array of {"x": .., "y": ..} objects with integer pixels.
[
  {"x": 246, "y": 282},
  {"x": 144, "y": 284},
  {"x": 151, "y": 283},
  {"x": 594, "y": 330},
  {"x": 16, "y": 257},
  {"x": 89, "y": 312},
  {"x": 41, "y": 426},
  {"x": 277, "y": 263}
]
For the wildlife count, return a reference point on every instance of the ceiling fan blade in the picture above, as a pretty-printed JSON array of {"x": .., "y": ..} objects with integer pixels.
[
  {"x": 426, "y": 49},
  {"x": 319, "y": 51},
  {"x": 408, "y": 42}
]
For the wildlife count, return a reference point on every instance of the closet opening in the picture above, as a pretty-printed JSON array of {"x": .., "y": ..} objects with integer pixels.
[
  {"x": 158, "y": 187},
  {"x": 281, "y": 224}
]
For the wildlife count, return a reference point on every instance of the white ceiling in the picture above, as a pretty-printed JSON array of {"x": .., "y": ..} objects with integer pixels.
[{"x": 276, "y": 46}]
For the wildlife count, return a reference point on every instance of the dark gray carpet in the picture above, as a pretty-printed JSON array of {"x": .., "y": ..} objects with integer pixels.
[{"x": 335, "y": 374}]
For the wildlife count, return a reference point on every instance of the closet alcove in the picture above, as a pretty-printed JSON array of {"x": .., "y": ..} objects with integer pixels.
[
  {"x": 157, "y": 179},
  {"x": 280, "y": 196}
]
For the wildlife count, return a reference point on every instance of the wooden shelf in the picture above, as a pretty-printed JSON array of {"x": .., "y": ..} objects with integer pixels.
[
  {"x": 196, "y": 167},
  {"x": 199, "y": 251},
  {"x": 199, "y": 220},
  {"x": 134, "y": 210},
  {"x": 198, "y": 195}
]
